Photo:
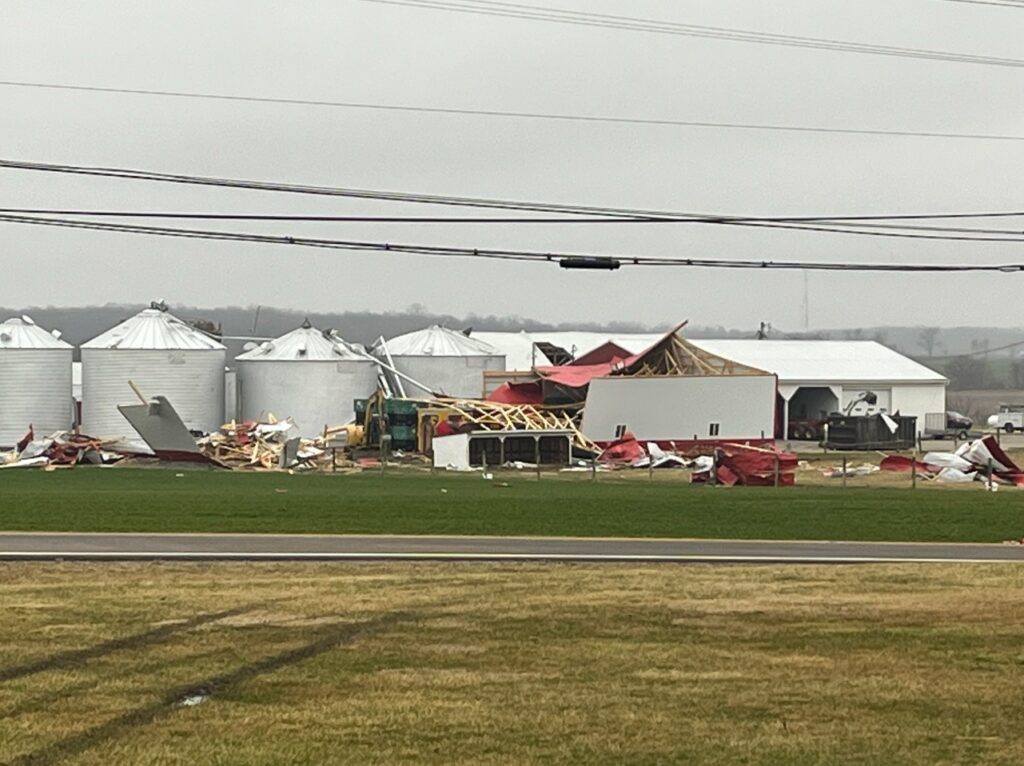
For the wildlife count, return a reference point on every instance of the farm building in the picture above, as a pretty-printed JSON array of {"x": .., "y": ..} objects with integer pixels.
[
  {"x": 815, "y": 377},
  {"x": 673, "y": 393},
  {"x": 447, "y": 361},
  {"x": 821, "y": 376},
  {"x": 307, "y": 374},
  {"x": 35, "y": 381},
  {"x": 162, "y": 356}
]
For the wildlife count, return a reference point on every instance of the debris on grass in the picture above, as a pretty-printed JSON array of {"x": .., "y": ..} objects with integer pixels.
[{"x": 980, "y": 460}]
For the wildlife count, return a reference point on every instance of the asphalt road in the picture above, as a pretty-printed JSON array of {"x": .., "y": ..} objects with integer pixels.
[{"x": 225, "y": 547}]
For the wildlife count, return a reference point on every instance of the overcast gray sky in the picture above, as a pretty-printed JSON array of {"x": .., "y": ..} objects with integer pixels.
[{"x": 348, "y": 50}]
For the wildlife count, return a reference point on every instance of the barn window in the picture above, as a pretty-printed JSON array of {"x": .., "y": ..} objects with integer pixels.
[{"x": 713, "y": 429}]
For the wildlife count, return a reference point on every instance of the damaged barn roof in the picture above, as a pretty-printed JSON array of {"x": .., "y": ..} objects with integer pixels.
[{"x": 670, "y": 355}]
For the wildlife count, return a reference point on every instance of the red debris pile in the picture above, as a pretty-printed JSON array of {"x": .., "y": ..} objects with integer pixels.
[
  {"x": 623, "y": 451},
  {"x": 62, "y": 449},
  {"x": 751, "y": 467},
  {"x": 905, "y": 464}
]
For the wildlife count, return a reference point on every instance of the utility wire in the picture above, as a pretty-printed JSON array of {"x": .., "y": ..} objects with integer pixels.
[
  {"x": 1001, "y": 3},
  {"x": 508, "y": 255},
  {"x": 634, "y": 24},
  {"x": 1017, "y": 234},
  {"x": 616, "y": 213},
  {"x": 577, "y": 118}
]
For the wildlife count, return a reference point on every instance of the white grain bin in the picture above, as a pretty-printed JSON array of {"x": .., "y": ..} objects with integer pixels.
[
  {"x": 35, "y": 381},
  {"x": 447, "y": 361},
  {"x": 162, "y": 356},
  {"x": 309, "y": 375}
]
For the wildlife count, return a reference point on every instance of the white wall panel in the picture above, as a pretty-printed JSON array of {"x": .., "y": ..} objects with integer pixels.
[
  {"x": 919, "y": 400},
  {"x": 677, "y": 408}
]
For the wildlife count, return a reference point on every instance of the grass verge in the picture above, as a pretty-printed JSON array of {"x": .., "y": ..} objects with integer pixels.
[
  {"x": 137, "y": 500},
  {"x": 489, "y": 664}
]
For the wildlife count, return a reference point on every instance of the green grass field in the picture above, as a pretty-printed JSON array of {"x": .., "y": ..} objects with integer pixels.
[
  {"x": 486, "y": 664},
  {"x": 149, "y": 500}
]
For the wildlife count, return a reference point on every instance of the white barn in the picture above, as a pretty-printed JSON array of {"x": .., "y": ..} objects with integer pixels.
[{"x": 821, "y": 376}]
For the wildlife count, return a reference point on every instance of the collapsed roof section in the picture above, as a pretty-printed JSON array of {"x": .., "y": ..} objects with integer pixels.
[{"x": 672, "y": 355}]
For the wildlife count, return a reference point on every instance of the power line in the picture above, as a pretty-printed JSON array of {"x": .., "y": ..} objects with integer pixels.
[
  {"x": 347, "y": 218},
  {"x": 1017, "y": 234},
  {"x": 508, "y": 255},
  {"x": 471, "y": 202},
  {"x": 549, "y": 116},
  {"x": 634, "y": 24},
  {"x": 824, "y": 224},
  {"x": 1001, "y": 3}
]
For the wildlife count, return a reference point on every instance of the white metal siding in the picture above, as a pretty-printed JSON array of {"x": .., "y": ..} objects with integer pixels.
[
  {"x": 35, "y": 388},
  {"x": 919, "y": 400},
  {"x": 459, "y": 376},
  {"x": 192, "y": 380},
  {"x": 678, "y": 408},
  {"x": 312, "y": 393}
]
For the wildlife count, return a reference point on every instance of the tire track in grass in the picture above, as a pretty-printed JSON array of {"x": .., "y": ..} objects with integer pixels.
[
  {"x": 77, "y": 657},
  {"x": 141, "y": 716}
]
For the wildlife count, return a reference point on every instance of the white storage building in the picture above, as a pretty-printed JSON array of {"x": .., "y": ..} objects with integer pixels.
[
  {"x": 163, "y": 356},
  {"x": 35, "y": 381},
  {"x": 446, "y": 361},
  {"x": 817, "y": 377},
  {"x": 307, "y": 374}
]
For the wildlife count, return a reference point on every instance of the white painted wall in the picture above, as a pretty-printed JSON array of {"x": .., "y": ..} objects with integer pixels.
[
  {"x": 918, "y": 400},
  {"x": 677, "y": 408}
]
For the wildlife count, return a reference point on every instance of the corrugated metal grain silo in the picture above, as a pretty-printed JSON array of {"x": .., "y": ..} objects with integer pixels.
[
  {"x": 163, "y": 356},
  {"x": 309, "y": 375},
  {"x": 35, "y": 381},
  {"x": 447, "y": 361}
]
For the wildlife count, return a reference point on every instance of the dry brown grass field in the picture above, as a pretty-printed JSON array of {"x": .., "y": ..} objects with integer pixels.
[{"x": 490, "y": 664}]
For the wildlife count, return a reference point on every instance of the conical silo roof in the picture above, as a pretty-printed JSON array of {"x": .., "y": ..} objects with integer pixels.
[
  {"x": 23, "y": 333},
  {"x": 305, "y": 343},
  {"x": 439, "y": 341},
  {"x": 154, "y": 329}
]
